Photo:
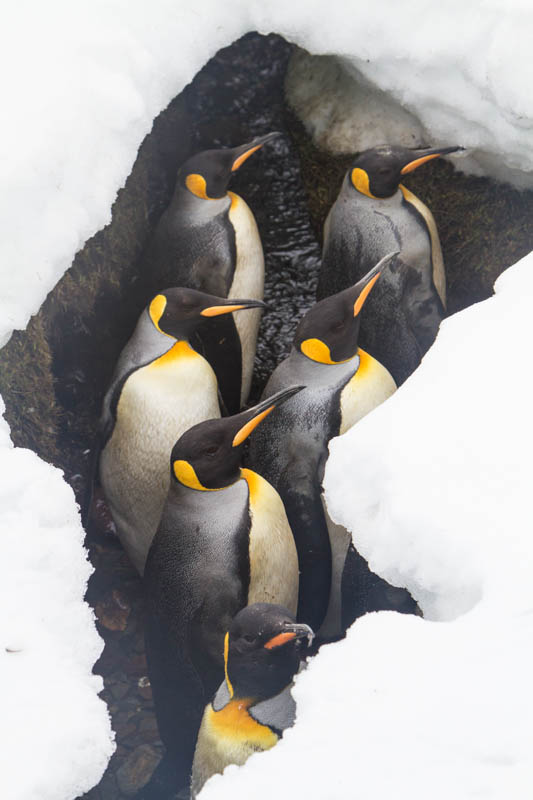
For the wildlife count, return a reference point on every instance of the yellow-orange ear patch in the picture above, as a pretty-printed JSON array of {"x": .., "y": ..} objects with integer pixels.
[
  {"x": 186, "y": 475},
  {"x": 226, "y": 653},
  {"x": 361, "y": 181},
  {"x": 156, "y": 310},
  {"x": 358, "y": 305},
  {"x": 317, "y": 350},
  {"x": 196, "y": 184}
]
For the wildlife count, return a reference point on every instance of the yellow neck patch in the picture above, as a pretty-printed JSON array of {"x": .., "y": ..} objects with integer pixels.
[
  {"x": 254, "y": 482},
  {"x": 235, "y": 199},
  {"x": 196, "y": 185},
  {"x": 226, "y": 653},
  {"x": 234, "y": 723},
  {"x": 177, "y": 352},
  {"x": 317, "y": 350},
  {"x": 156, "y": 310},
  {"x": 361, "y": 182},
  {"x": 186, "y": 475}
]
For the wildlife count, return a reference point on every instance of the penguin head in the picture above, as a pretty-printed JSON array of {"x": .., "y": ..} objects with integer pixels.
[
  {"x": 377, "y": 172},
  {"x": 177, "y": 312},
  {"x": 207, "y": 174},
  {"x": 208, "y": 456},
  {"x": 262, "y": 650},
  {"x": 329, "y": 331}
]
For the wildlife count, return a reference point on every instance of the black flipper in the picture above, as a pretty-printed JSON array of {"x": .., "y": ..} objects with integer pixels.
[{"x": 220, "y": 344}]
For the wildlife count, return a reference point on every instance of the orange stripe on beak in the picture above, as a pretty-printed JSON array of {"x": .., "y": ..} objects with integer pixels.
[
  {"x": 358, "y": 305},
  {"x": 281, "y": 638},
  {"x": 416, "y": 163},
  {"x": 215, "y": 311},
  {"x": 239, "y": 161},
  {"x": 246, "y": 430}
]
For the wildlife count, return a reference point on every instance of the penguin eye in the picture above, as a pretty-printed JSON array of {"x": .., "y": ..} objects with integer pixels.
[
  {"x": 211, "y": 450},
  {"x": 249, "y": 637}
]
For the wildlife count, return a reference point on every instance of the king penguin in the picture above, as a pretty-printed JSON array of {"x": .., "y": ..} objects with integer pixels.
[
  {"x": 208, "y": 239},
  {"x": 343, "y": 383},
  {"x": 373, "y": 215},
  {"x": 223, "y": 543},
  {"x": 161, "y": 387},
  {"x": 263, "y": 651}
]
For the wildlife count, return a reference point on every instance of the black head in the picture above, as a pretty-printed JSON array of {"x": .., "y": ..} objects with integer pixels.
[
  {"x": 208, "y": 455},
  {"x": 263, "y": 649},
  {"x": 329, "y": 331},
  {"x": 208, "y": 174},
  {"x": 178, "y": 311},
  {"x": 377, "y": 172}
]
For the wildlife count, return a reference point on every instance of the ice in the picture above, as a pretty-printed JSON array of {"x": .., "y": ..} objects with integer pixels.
[
  {"x": 437, "y": 498},
  {"x": 56, "y": 734},
  {"x": 413, "y": 707}
]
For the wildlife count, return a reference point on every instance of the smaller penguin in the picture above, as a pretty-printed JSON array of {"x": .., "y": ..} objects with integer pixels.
[
  {"x": 373, "y": 215},
  {"x": 343, "y": 383},
  {"x": 207, "y": 239},
  {"x": 263, "y": 650},
  {"x": 161, "y": 387},
  {"x": 223, "y": 543}
]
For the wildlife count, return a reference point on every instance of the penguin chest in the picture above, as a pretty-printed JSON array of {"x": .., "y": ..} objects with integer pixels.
[
  {"x": 228, "y": 736},
  {"x": 370, "y": 386},
  {"x": 157, "y": 404},
  {"x": 272, "y": 551},
  {"x": 248, "y": 282}
]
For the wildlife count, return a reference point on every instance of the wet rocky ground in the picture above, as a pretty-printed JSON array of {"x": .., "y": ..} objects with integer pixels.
[{"x": 70, "y": 347}]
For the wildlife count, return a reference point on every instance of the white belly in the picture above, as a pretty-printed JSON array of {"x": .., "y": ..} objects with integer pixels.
[
  {"x": 248, "y": 283},
  {"x": 274, "y": 572},
  {"x": 157, "y": 405},
  {"x": 369, "y": 387}
]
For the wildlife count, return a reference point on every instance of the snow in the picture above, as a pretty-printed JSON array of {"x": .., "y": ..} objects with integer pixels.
[
  {"x": 82, "y": 85},
  {"x": 90, "y": 78},
  {"x": 56, "y": 733},
  {"x": 437, "y": 500}
]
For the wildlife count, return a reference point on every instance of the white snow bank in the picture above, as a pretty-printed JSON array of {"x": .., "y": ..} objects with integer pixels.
[
  {"x": 435, "y": 485},
  {"x": 55, "y": 732},
  {"x": 442, "y": 502},
  {"x": 83, "y": 83}
]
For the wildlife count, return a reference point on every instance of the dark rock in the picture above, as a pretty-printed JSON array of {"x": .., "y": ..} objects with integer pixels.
[
  {"x": 119, "y": 690},
  {"x": 144, "y": 687},
  {"x": 136, "y": 770},
  {"x": 113, "y": 611}
]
